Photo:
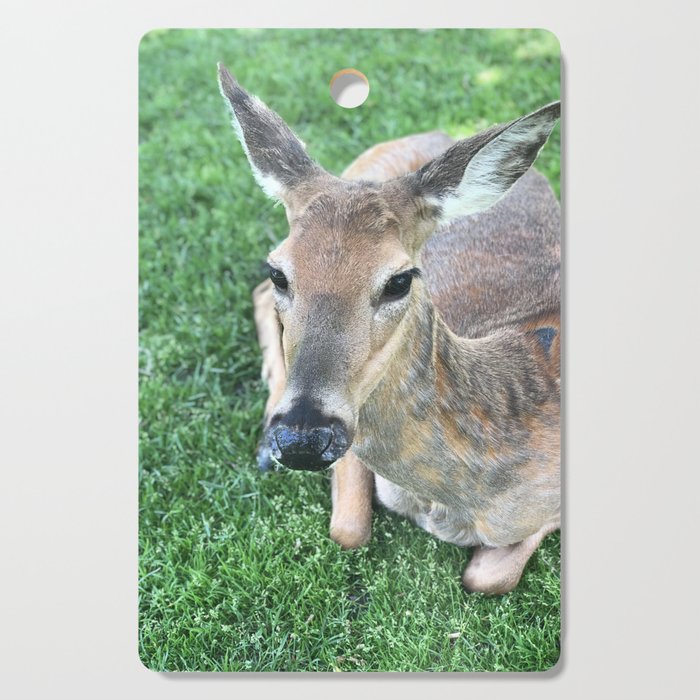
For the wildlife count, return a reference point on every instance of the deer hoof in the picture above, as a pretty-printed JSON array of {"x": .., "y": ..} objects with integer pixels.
[
  {"x": 349, "y": 536},
  {"x": 491, "y": 571},
  {"x": 476, "y": 583}
]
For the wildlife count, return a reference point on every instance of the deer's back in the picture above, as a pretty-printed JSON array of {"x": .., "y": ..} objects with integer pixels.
[{"x": 498, "y": 268}]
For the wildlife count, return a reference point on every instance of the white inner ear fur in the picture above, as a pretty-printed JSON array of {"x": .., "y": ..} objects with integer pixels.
[
  {"x": 270, "y": 185},
  {"x": 485, "y": 178}
]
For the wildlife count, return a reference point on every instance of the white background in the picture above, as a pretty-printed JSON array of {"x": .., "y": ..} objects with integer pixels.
[{"x": 68, "y": 346}]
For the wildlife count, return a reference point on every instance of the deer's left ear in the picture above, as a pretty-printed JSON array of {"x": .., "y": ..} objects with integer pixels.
[
  {"x": 476, "y": 172},
  {"x": 277, "y": 157}
]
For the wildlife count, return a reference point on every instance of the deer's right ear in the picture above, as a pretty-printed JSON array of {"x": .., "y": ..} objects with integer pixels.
[{"x": 277, "y": 157}]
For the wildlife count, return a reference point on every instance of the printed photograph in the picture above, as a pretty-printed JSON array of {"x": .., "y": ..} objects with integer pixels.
[{"x": 349, "y": 350}]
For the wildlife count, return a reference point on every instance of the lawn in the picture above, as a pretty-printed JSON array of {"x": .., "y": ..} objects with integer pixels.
[{"x": 236, "y": 569}]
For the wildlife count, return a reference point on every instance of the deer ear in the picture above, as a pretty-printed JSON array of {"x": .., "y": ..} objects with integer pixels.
[
  {"x": 277, "y": 157},
  {"x": 476, "y": 172}
]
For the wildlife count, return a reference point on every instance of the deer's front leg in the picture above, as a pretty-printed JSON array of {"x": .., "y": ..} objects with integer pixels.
[
  {"x": 352, "y": 486},
  {"x": 273, "y": 371}
]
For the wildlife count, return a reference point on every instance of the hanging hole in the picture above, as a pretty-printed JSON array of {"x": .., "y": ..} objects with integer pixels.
[{"x": 349, "y": 88}]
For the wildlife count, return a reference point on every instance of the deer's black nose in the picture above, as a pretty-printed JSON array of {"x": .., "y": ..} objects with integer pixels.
[
  {"x": 304, "y": 449},
  {"x": 304, "y": 438}
]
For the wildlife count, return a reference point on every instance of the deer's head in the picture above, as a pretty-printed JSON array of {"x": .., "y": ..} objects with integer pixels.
[{"x": 347, "y": 282}]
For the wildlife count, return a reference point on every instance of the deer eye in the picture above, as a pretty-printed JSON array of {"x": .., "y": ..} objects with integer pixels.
[
  {"x": 278, "y": 278},
  {"x": 399, "y": 285}
]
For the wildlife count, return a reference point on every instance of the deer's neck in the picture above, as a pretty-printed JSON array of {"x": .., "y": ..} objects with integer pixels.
[{"x": 452, "y": 416}]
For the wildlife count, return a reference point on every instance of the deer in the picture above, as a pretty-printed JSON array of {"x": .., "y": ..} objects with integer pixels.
[{"x": 410, "y": 332}]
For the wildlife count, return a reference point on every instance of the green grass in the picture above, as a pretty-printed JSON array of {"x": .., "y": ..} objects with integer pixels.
[{"x": 237, "y": 571}]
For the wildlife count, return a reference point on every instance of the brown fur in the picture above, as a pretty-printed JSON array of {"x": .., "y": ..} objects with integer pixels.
[{"x": 451, "y": 396}]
